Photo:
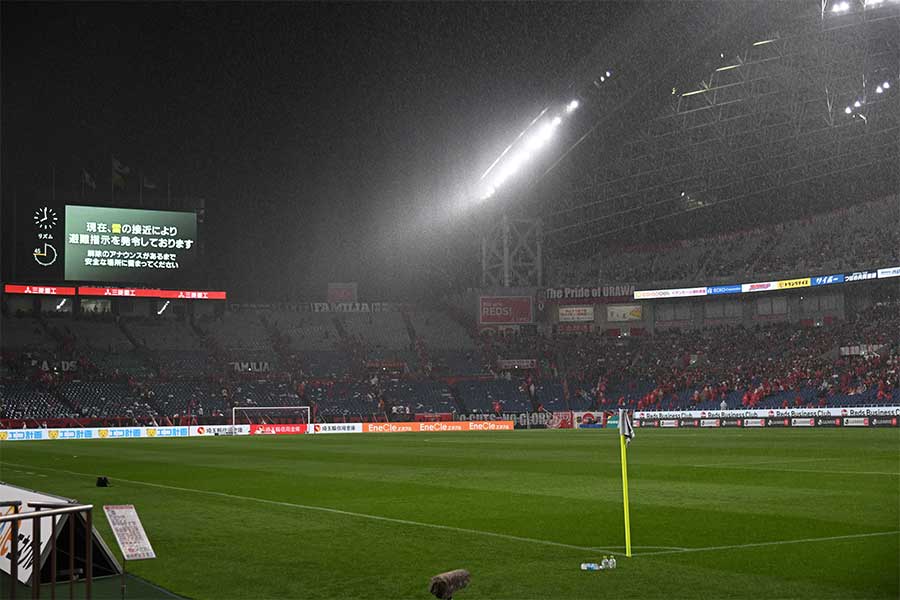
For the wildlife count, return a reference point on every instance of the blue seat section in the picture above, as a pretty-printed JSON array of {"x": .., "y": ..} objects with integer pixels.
[
  {"x": 25, "y": 400},
  {"x": 479, "y": 396}
]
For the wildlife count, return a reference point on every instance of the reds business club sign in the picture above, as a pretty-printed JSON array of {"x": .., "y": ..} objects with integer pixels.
[{"x": 505, "y": 310}]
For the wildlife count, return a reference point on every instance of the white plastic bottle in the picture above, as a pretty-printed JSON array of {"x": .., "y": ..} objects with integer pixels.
[
  {"x": 604, "y": 564},
  {"x": 612, "y": 562}
]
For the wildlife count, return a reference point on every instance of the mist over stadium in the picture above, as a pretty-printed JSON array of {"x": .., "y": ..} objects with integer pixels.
[{"x": 481, "y": 300}]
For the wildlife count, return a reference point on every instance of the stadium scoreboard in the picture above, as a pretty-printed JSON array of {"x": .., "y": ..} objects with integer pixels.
[{"x": 103, "y": 244}]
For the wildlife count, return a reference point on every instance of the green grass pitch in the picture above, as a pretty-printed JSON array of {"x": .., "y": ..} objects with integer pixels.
[{"x": 715, "y": 513}]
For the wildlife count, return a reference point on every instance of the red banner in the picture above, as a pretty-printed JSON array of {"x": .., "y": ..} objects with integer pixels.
[
  {"x": 505, "y": 310},
  {"x": 145, "y": 293},
  {"x": 341, "y": 292},
  {"x": 278, "y": 429},
  {"x": 573, "y": 328},
  {"x": 43, "y": 290}
]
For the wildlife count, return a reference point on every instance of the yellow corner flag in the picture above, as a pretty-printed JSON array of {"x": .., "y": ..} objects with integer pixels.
[{"x": 626, "y": 434}]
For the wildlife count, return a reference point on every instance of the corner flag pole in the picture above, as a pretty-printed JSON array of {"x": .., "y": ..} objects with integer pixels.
[
  {"x": 626, "y": 432},
  {"x": 625, "y": 497}
]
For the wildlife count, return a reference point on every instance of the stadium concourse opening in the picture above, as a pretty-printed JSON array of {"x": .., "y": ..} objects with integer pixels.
[{"x": 400, "y": 296}]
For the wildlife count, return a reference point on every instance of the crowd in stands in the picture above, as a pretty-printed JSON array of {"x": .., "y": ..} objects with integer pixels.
[
  {"x": 64, "y": 369},
  {"x": 857, "y": 237}
]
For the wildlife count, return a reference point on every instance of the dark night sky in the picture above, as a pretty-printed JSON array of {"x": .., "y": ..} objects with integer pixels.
[{"x": 313, "y": 131}]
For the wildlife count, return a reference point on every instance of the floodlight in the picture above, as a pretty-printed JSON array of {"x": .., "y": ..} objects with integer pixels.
[
  {"x": 886, "y": 85},
  {"x": 857, "y": 104},
  {"x": 490, "y": 192},
  {"x": 556, "y": 121},
  {"x": 878, "y": 90},
  {"x": 609, "y": 73},
  {"x": 848, "y": 110},
  {"x": 573, "y": 105},
  {"x": 602, "y": 79}
]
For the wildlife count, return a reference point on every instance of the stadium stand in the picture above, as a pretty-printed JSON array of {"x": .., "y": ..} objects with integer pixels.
[
  {"x": 865, "y": 234},
  {"x": 767, "y": 365}
]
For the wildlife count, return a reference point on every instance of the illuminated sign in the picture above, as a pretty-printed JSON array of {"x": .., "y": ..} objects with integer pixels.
[
  {"x": 673, "y": 293},
  {"x": 123, "y": 244},
  {"x": 890, "y": 272},
  {"x": 41, "y": 290},
  {"x": 827, "y": 279},
  {"x": 145, "y": 293},
  {"x": 793, "y": 283}
]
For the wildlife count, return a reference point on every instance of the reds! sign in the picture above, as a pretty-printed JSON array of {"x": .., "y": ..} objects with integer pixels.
[{"x": 505, "y": 310}]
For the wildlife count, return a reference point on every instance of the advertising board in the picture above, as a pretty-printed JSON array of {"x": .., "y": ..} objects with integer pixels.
[
  {"x": 576, "y": 314},
  {"x": 505, "y": 310},
  {"x": 624, "y": 313},
  {"x": 278, "y": 429},
  {"x": 787, "y": 284},
  {"x": 438, "y": 426}
]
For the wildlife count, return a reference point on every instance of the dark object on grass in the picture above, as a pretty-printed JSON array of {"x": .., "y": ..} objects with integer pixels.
[
  {"x": 444, "y": 585},
  {"x": 103, "y": 482}
]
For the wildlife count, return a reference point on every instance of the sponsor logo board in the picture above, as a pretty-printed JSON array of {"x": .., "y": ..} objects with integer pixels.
[
  {"x": 670, "y": 293},
  {"x": 856, "y": 422},
  {"x": 761, "y": 286},
  {"x": 889, "y": 272},
  {"x": 337, "y": 428},
  {"x": 724, "y": 289},
  {"x": 827, "y": 279},
  {"x": 576, "y": 314},
  {"x": 803, "y": 422},
  {"x": 278, "y": 429},
  {"x": 438, "y": 426},
  {"x": 786, "y": 284},
  {"x": 860, "y": 276},
  {"x": 624, "y": 313},
  {"x": 505, "y": 310}
]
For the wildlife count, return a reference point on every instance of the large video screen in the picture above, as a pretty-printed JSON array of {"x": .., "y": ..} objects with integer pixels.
[{"x": 129, "y": 245}]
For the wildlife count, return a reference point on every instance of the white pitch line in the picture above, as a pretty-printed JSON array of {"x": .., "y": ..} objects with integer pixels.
[
  {"x": 669, "y": 550},
  {"x": 347, "y": 513},
  {"x": 777, "y": 543},
  {"x": 765, "y": 462},
  {"x": 822, "y": 471}
]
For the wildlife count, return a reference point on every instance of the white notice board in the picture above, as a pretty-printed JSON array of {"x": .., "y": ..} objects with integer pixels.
[{"x": 129, "y": 532}]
